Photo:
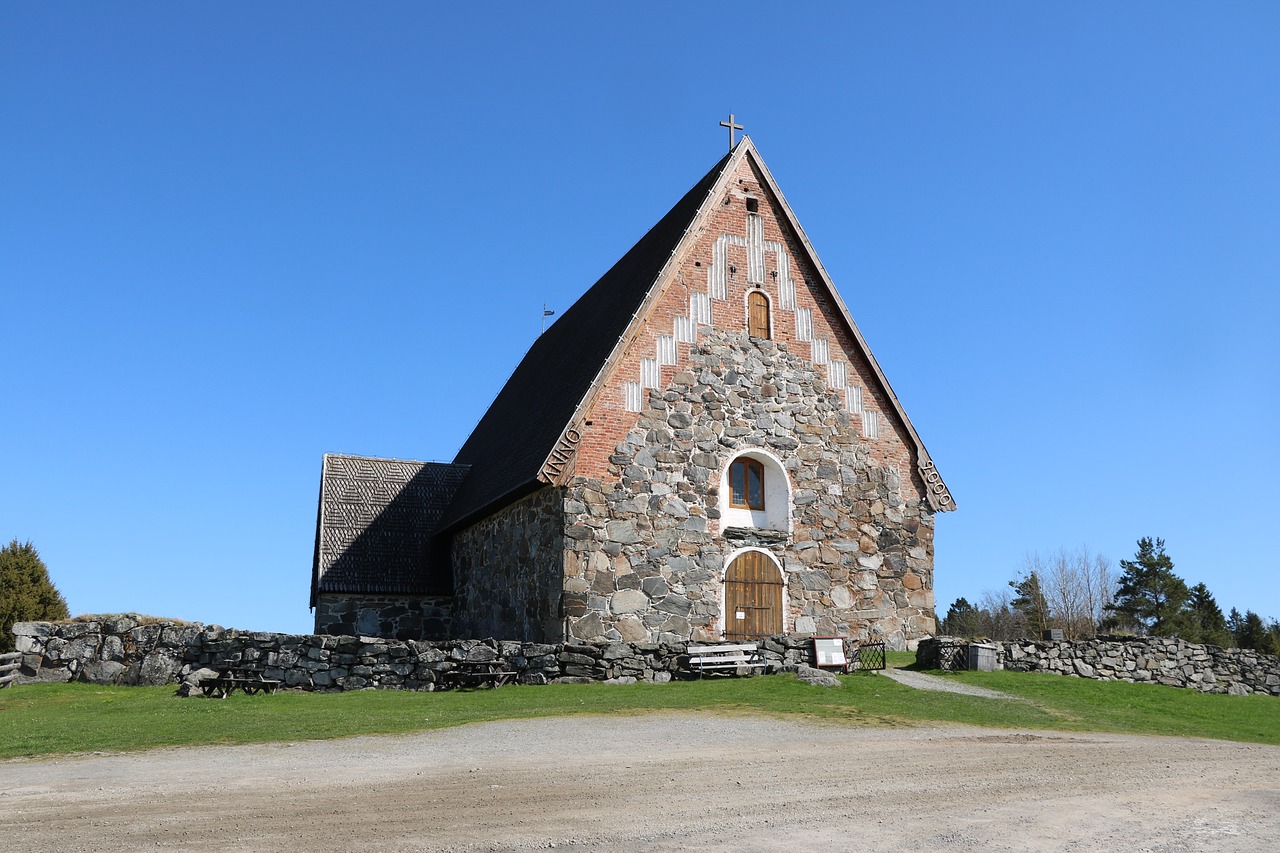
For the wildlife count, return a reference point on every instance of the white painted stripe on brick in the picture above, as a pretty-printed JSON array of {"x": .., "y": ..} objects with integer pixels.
[
  {"x": 700, "y": 308},
  {"x": 755, "y": 249},
  {"x": 836, "y": 371},
  {"x": 821, "y": 351},
  {"x": 786, "y": 287},
  {"x": 855, "y": 399},
  {"x": 649, "y": 372},
  {"x": 684, "y": 330},
  {"x": 804, "y": 324},
  {"x": 666, "y": 349},
  {"x": 870, "y": 425},
  {"x": 719, "y": 267},
  {"x": 736, "y": 240},
  {"x": 635, "y": 397}
]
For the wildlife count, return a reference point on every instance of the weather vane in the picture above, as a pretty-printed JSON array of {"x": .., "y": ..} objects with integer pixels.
[{"x": 732, "y": 127}]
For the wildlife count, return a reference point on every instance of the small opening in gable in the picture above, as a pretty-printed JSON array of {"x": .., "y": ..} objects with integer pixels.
[{"x": 753, "y": 205}]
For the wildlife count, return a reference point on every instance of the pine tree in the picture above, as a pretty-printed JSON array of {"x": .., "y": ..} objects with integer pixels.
[
  {"x": 1031, "y": 603},
  {"x": 961, "y": 619},
  {"x": 1150, "y": 595},
  {"x": 1208, "y": 623},
  {"x": 1252, "y": 633},
  {"x": 1235, "y": 623},
  {"x": 26, "y": 593}
]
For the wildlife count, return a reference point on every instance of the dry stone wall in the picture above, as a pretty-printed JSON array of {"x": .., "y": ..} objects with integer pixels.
[
  {"x": 1155, "y": 660},
  {"x": 397, "y": 616},
  {"x": 508, "y": 569},
  {"x": 122, "y": 651},
  {"x": 646, "y": 548}
]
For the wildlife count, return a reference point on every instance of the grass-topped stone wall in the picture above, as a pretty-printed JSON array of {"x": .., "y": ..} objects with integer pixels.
[
  {"x": 124, "y": 650},
  {"x": 1155, "y": 660}
]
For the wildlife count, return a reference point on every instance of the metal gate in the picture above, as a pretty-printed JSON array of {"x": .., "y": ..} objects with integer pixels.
[
  {"x": 752, "y": 597},
  {"x": 868, "y": 657}
]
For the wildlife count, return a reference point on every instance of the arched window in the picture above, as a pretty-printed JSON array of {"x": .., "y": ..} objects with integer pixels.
[
  {"x": 755, "y": 492},
  {"x": 757, "y": 314},
  {"x": 746, "y": 483}
]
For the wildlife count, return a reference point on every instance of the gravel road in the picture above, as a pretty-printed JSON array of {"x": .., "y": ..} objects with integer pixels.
[{"x": 658, "y": 782}]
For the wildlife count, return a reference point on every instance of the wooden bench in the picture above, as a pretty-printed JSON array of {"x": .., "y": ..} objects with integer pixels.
[
  {"x": 248, "y": 679},
  {"x": 10, "y": 663},
  {"x": 724, "y": 658},
  {"x": 478, "y": 674}
]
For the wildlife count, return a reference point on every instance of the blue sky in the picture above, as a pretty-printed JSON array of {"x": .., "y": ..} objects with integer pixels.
[{"x": 234, "y": 238}]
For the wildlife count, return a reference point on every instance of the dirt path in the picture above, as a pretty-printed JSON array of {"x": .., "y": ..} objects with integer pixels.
[
  {"x": 920, "y": 681},
  {"x": 660, "y": 782}
]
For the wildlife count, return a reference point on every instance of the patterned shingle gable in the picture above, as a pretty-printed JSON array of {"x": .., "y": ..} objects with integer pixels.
[{"x": 375, "y": 525}]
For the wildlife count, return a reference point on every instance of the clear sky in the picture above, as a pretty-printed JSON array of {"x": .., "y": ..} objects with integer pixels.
[{"x": 236, "y": 236}]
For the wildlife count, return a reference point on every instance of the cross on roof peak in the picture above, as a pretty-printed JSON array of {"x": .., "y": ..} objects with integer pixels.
[{"x": 732, "y": 127}]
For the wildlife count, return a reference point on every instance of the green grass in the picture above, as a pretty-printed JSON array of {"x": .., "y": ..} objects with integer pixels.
[{"x": 45, "y": 719}]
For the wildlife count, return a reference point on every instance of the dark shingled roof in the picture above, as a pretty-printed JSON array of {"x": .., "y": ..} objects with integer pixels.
[
  {"x": 507, "y": 448},
  {"x": 375, "y": 525}
]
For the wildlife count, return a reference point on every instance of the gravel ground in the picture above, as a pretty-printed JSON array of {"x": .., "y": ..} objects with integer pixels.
[
  {"x": 658, "y": 782},
  {"x": 920, "y": 681}
]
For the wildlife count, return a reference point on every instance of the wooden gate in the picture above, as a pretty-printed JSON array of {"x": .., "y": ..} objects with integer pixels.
[{"x": 752, "y": 597}]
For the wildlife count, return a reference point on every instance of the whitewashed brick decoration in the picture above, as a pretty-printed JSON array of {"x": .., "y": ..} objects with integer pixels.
[
  {"x": 635, "y": 397},
  {"x": 649, "y": 373},
  {"x": 855, "y": 399},
  {"x": 686, "y": 331},
  {"x": 700, "y": 308},
  {"x": 870, "y": 425},
  {"x": 666, "y": 349},
  {"x": 821, "y": 351},
  {"x": 755, "y": 249},
  {"x": 804, "y": 324},
  {"x": 786, "y": 287},
  {"x": 836, "y": 371},
  {"x": 719, "y": 268}
]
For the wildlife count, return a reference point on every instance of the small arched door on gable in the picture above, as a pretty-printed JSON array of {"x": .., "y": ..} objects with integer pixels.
[{"x": 752, "y": 597}]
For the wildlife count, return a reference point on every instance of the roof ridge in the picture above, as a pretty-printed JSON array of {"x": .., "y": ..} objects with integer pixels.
[{"x": 541, "y": 396}]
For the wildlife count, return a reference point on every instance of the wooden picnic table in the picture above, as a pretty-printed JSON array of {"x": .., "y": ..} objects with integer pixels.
[
  {"x": 478, "y": 674},
  {"x": 247, "y": 679}
]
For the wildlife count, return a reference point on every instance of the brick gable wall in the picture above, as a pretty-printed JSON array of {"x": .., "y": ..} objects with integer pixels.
[
  {"x": 645, "y": 547},
  {"x": 608, "y": 421}
]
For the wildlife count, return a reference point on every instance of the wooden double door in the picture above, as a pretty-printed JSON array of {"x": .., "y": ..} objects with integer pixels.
[{"x": 752, "y": 597}]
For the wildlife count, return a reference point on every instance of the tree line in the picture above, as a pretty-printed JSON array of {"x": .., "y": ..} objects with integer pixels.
[{"x": 1080, "y": 594}]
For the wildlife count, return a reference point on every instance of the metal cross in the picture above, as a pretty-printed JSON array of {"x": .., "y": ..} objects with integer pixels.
[{"x": 732, "y": 127}]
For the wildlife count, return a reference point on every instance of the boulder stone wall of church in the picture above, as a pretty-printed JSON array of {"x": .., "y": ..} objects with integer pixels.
[
  {"x": 398, "y": 617},
  {"x": 1153, "y": 660},
  {"x": 645, "y": 550},
  {"x": 127, "y": 651},
  {"x": 508, "y": 570}
]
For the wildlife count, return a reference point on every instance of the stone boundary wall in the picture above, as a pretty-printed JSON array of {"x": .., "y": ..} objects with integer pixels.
[
  {"x": 122, "y": 651},
  {"x": 1155, "y": 660}
]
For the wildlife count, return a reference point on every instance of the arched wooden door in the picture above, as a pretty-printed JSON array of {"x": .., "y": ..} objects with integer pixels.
[{"x": 752, "y": 597}]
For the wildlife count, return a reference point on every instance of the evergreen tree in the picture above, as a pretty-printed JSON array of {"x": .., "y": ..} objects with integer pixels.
[
  {"x": 1150, "y": 595},
  {"x": 1208, "y": 625},
  {"x": 26, "y": 593},
  {"x": 1235, "y": 623},
  {"x": 961, "y": 619},
  {"x": 1031, "y": 603},
  {"x": 1252, "y": 633}
]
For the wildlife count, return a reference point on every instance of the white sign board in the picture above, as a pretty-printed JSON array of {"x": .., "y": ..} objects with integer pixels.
[{"x": 829, "y": 651}]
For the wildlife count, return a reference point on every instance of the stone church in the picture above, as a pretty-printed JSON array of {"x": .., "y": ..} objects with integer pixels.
[{"x": 701, "y": 448}]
